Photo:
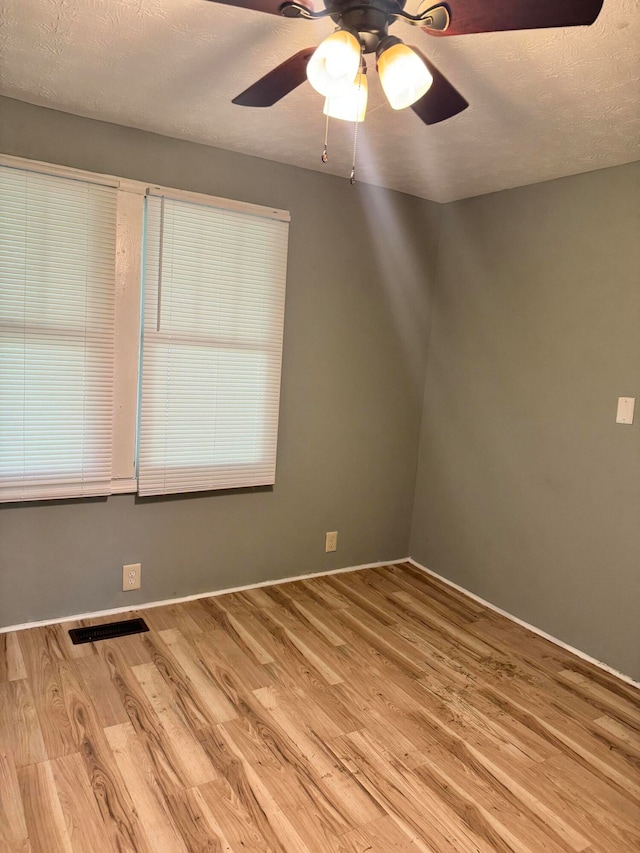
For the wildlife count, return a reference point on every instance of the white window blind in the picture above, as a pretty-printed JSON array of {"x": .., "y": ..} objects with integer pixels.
[
  {"x": 214, "y": 287},
  {"x": 57, "y": 253}
]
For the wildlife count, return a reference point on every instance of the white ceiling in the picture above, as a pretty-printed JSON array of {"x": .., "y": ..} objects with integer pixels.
[{"x": 543, "y": 103}]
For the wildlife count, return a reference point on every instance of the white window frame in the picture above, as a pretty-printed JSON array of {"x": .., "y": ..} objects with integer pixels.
[{"x": 131, "y": 196}]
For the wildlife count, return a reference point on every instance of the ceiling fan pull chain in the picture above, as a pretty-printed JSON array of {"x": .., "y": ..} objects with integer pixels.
[
  {"x": 352, "y": 176},
  {"x": 325, "y": 156}
]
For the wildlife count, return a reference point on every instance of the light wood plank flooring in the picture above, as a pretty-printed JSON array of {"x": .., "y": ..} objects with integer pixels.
[{"x": 373, "y": 711}]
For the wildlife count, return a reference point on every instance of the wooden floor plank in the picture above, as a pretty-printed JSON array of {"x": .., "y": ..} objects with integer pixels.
[
  {"x": 44, "y": 816},
  {"x": 621, "y": 733},
  {"x": 84, "y": 824},
  {"x": 110, "y": 793},
  {"x": 173, "y": 616},
  {"x": 232, "y": 816},
  {"x": 429, "y": 589},
  {"x": 404, "y": 799},
  {"x": 137, "y": 772},
  {"x": 572, "y": 739},
  {"x": 322, "y": 592},
  {"x": 302, "y": 608},
  {"x": 160, "y": 751},
  {"x": 43, "y": 656},
  {"x": 218, "y": 708},
  {"x": 259, "y": 801},
  {"x": 225, "y": 651},
  {"x": 4, "y": 655},
  {"x": 196, "y": 767},
  {"x": 379, "y": 836},
  {"x": 609, "y": 821},
  {"x": 12, "y": 665},
  {"x": 20, "y": 732},
  {"x": 94, "y": 675},
  {"x": 603, "y": 700},
  {"x": 372, "y": 711},
  {"x": 68, "y": 649},
  {"x": 343, "y": 792},
  {"x": 306, "y": 649},
  {"x": 511, "y": 815},
  {"x": 14, "y": 835}
]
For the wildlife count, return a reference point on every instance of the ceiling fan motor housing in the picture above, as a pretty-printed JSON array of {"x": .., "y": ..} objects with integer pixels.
[{"x": 370, "y": 19}]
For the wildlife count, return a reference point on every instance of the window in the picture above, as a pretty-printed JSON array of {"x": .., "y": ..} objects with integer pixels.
[
  {"x": 71, "y": 254},
  {"x": 57, "y": 250},
  {"x": 212, "y": 341}
]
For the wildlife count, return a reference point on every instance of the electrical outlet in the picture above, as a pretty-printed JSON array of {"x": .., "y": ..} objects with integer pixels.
[
  {"x": 331, "y": 541},
  {"x": 131, "y": 576}
]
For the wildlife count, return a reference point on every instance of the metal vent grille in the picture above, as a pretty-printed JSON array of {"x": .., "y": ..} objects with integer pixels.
[{"x": 107, "y": 631}]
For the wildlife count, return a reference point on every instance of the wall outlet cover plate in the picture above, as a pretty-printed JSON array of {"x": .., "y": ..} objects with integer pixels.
[
  {"x": 131, "y": 576},
  {"x": 626, "y": 405}
]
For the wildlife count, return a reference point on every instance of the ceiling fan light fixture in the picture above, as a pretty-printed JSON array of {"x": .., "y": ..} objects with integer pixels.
[
  {"x": 403, "y": 75},
  {"x": 352, "y": 104},
  {"x": 334, "y": 65}
]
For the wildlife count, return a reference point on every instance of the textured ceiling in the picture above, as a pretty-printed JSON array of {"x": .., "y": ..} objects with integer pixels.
[{"x": 543, "y": 103}]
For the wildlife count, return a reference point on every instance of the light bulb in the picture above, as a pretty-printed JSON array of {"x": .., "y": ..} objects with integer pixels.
[
  {"x": 352, "y": 104},
  {"x": 334, "y": 65},
  {"x": 404, "y": 76}
]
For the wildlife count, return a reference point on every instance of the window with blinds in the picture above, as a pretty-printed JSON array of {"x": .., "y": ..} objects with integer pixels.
[
  {"x": 214, "y": 287},
  {"x": 57, "y": 256},
  {"x": 88, "y": 404}
]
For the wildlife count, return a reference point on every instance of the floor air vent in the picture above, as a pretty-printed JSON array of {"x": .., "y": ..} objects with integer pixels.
[{"x": 107, "y": 631}]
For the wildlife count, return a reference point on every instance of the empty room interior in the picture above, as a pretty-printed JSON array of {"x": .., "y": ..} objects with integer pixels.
[{"x": 342, "y": 411}]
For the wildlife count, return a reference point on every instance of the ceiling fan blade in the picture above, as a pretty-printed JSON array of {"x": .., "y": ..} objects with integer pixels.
[
  {"x": 277, "y": 83},
  {"x": 488, "y": 16},
  {"x": 271, "y": 7},
  {"x": 441, "y": 101}
]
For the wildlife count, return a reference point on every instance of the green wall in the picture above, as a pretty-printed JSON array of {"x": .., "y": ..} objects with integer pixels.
[
  {"x": 528, "y": 492},
  {"x": 352, "y": 385}
]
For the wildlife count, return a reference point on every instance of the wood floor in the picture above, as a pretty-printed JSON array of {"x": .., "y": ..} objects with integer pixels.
[{"x": 375, "y": 711}]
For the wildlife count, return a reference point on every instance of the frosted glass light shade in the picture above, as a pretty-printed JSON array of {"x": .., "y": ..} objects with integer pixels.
[
  {"x": 403, "y": 75},
  {"x": 334, "y": 65},
  {"x": 352, "y": 104}
]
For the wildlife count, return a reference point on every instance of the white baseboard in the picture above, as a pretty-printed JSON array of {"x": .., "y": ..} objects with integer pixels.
[
  {"x": 114, "y": 611},
  {"x": 524, "y": 624}
]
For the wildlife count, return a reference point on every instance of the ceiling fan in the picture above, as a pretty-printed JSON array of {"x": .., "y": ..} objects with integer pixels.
[{"x": 337, "y": 68}]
